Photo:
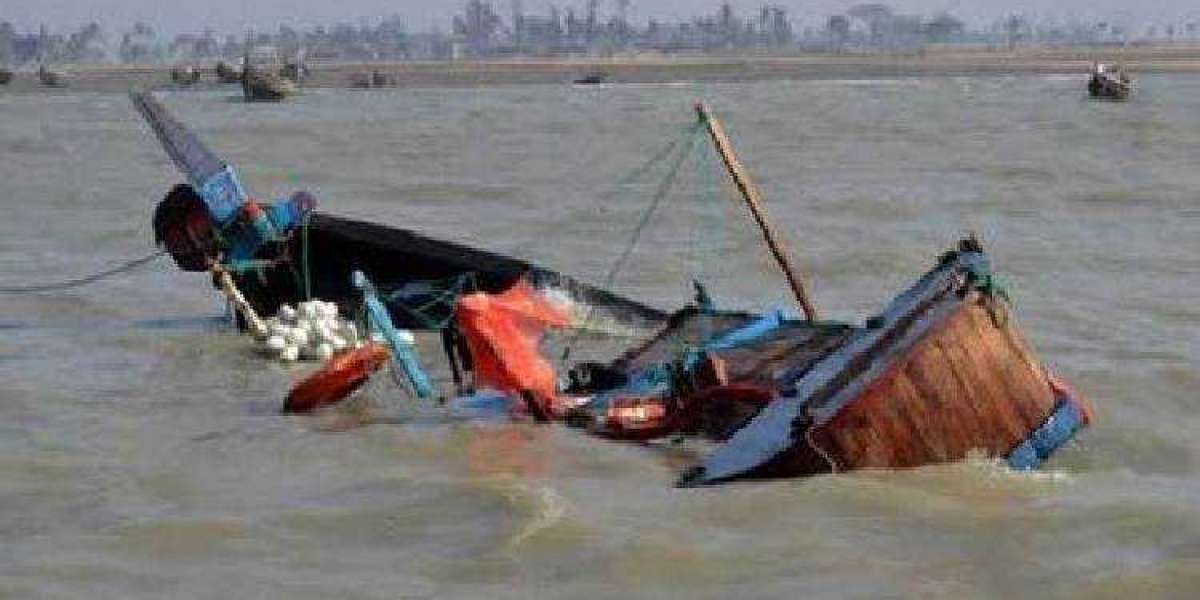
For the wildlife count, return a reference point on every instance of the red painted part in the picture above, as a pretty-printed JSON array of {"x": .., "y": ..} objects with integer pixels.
[
  {"x": 340, "y": 376},
  {"x": 1064, "y": 390},
  {"x": 638, "y": 419},
  {"x": 252, "y": 210},
  {"x": 716, "y": 409}
]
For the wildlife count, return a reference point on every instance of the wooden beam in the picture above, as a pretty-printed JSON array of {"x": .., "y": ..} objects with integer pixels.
[{"x": 745, "y": 186}]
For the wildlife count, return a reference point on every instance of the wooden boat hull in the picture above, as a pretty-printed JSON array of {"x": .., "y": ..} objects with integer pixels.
[
  {"x": 943, "y": 372},
  {"x": 969, "y": 384}
]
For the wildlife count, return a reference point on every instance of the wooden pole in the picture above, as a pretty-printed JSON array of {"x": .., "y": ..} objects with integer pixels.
[{"x": 741, "y": 179}]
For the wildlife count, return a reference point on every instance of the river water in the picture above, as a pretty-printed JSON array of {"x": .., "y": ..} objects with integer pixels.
[{"x": 141, "y": 453}]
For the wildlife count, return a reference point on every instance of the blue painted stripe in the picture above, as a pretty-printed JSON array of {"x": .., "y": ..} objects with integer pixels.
[
  {"x": 223, "y": 194},
  {"x": 1057, "y": 430},
  {"x": 404, "y": 354}
]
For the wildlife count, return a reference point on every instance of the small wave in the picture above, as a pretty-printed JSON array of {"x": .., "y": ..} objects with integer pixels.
[
  {"x": 997, "y": 469},
  {"x": 545, "y": 506}
]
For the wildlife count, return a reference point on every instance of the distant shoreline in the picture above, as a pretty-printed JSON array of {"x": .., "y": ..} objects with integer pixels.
[{"x": 944, "y": 62}]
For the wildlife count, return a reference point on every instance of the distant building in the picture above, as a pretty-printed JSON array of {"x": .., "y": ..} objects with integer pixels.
[{"x": 189, "y": 46}]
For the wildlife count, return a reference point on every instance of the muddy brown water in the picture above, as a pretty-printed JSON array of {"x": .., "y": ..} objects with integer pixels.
[{"x": 141, "y": 453}]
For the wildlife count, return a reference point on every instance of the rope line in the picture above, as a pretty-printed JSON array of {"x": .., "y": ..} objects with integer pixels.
[
  {"x": 664, "y": 187},
  {"x": 82, "y": 281},
  {"x": 688, "y": 142},
  {"x": 304, "y": 257}
]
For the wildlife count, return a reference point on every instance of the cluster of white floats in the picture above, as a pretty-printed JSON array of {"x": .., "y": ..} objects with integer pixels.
[{"x": 311, "y": 331}]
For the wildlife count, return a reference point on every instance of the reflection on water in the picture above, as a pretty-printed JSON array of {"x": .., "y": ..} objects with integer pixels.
[{"x": 143, "y": 456}]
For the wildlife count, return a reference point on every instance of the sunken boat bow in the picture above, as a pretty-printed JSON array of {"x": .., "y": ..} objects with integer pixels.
[
  {"x": 325, "y": 250},
  {"x": 285, "y": 252},
  {"x": 942, "y": 372}
]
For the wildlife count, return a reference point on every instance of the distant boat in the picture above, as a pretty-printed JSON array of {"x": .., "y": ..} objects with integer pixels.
[
  {"x": 5, "y": 76},
  {"x": 228, "y": 74},
  {"x": 258, "y": 86},
  {"x": 185, "y": 75},
  {"x": 592, "y": 79},
  {"x": 373, "y": 79},
  {"x": 1110, "y": 84},
  {"x": 50, "y": 78},
  {"x": 261, "y": 75},
  {"x": 295, "y": 71}
]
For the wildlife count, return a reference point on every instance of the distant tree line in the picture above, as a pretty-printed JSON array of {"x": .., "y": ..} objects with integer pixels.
[{"x": 480, "y": 30}]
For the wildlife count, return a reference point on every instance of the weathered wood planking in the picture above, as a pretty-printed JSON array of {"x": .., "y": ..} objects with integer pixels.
[{"x": 969, "y": 383}]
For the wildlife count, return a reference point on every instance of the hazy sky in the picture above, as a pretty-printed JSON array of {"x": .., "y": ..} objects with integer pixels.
[{"x": 238, "y": 15}]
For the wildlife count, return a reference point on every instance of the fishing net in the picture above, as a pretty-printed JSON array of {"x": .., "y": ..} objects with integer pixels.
[{"x": 503, "y": 332}]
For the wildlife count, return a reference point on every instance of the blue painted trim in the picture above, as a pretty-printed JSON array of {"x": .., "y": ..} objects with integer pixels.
[
  {"x": 1057, "y": 430},
  {"x": 404, "y": 354},
  {"x": 224, "y": 195}
]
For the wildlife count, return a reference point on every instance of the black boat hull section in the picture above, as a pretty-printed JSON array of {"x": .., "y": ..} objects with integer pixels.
[{"x": 330, "y": 248}]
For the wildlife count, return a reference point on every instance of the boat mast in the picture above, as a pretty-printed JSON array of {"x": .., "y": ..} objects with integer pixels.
[{"x": 745, "y": 186}]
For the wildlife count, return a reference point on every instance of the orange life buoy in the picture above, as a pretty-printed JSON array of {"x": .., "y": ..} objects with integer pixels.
[{"x": 340, "y": 376}]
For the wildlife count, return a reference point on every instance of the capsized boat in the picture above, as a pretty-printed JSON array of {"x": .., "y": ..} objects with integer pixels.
[
  {"x": 942, "y": 372},
  {"x": 1109, "y": 83},
  {"x": 285, "y": 252}
]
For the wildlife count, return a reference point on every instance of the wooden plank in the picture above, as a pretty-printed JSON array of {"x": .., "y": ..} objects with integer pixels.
[{"x": 937, "y": 373}]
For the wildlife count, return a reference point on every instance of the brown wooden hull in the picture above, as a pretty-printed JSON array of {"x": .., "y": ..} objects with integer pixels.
[
  {"x": 942, "y": 372},
  {"x": 970, "y": 385}
]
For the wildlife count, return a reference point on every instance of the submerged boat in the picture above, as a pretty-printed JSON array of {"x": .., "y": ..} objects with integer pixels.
[
  {"x": 1109, "y": 83},
  {"x": 942, "y": 372},
  {"x": 287, "y": 252}
]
